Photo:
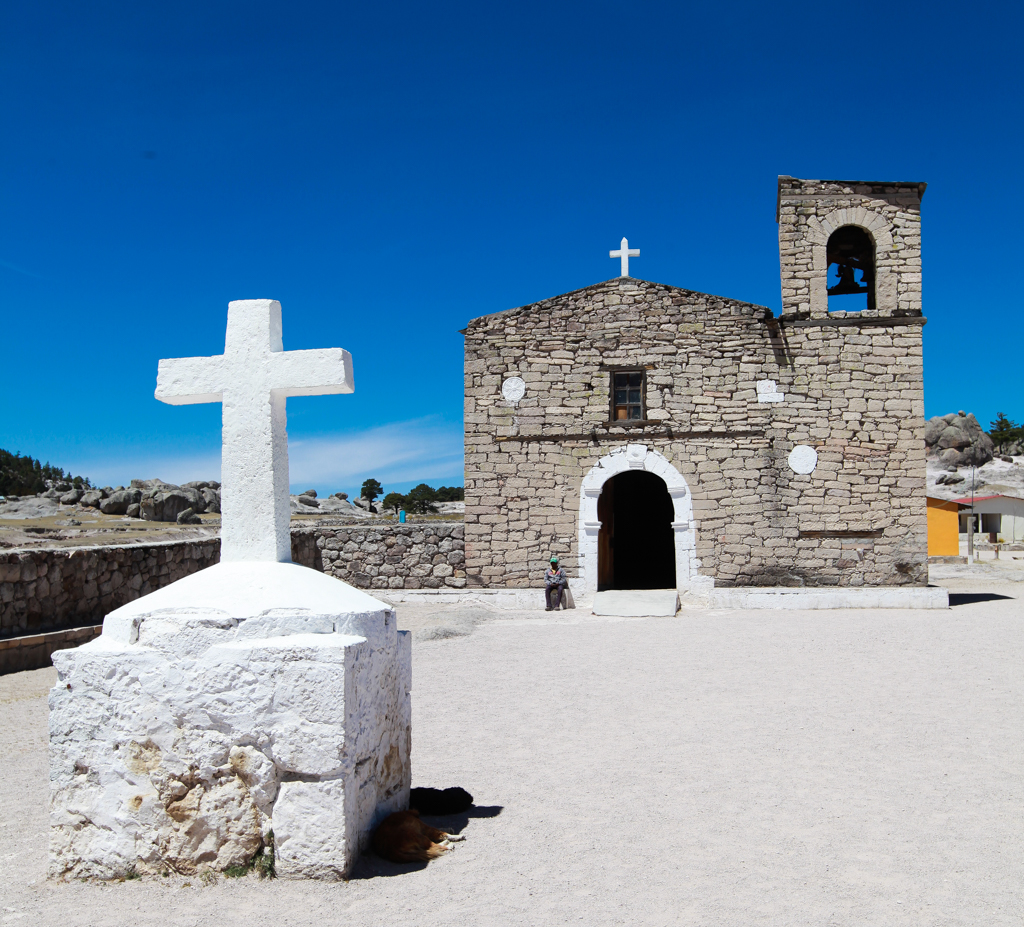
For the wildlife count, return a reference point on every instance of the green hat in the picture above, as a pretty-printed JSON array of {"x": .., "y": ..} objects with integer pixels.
[{"x": 554, "y": 560}]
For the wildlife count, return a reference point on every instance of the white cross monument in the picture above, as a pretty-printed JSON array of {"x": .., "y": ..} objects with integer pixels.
[
  {"x": 251, "y": 380},
  {"x": 625, "y": 253},
  {"x": 280, "y": 696}
]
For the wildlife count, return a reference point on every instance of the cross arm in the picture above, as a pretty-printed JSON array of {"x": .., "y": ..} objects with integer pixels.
[
  {"x": 319, "y": 372},
  {"x": 187, "y": 380}
]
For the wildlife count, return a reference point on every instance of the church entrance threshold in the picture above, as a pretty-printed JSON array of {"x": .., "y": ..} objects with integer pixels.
[
  {"x": 637, "y": 603},
  {"x": 636, "y": 547}
]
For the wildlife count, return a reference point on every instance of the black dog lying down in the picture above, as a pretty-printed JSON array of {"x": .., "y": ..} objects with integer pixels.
[{"x": 403, "y": 838}]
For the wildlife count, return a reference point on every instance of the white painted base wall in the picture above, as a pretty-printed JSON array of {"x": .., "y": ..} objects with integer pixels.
[
  {"x": 244, "y": 699},
  {"x": 835, "y": 597}
]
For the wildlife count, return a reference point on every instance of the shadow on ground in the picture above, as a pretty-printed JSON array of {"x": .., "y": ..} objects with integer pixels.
[
  {"x": 970, "y": 598},
  {"x": 371, "y": 866}
]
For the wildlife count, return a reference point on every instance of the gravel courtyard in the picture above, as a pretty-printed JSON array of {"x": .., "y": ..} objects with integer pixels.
[{"x": 717, "y": 768}]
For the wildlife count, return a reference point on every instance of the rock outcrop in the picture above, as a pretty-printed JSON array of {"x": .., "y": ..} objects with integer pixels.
[
  {"x": 957, "y": 440},
  {"x": 162, "y": 501}
]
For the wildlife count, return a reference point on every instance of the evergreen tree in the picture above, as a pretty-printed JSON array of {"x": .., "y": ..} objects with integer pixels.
[
  {"x": 1004, "y": 431},
  {"x": 421, "y": 499},
  {"x": 371, "y": 489},
  {"x": 26, "y": 476},
  {"x": 395, "y": 501}
]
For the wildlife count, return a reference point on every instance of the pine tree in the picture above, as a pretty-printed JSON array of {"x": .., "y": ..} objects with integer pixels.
[{"x": 1003, "y": 430}]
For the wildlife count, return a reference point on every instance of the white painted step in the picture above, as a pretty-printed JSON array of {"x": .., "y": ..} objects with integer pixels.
[{"x": 637, "y": 603}]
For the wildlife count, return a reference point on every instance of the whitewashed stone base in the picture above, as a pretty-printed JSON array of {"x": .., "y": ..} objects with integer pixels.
[
  {"x": 510, "y": 599},
  {"x": 833, "y": 597},
  {"x": 244, "y": 699}
]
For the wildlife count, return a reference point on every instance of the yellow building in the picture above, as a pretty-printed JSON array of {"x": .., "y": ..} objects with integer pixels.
[{"x": 943, "y": 528}]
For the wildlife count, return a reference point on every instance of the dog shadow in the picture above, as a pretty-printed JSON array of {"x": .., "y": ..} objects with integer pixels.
[{"x": 371, "y": 866}]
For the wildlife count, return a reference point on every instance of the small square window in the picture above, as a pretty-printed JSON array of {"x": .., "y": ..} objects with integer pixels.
[{"x": 628, "y": 395}]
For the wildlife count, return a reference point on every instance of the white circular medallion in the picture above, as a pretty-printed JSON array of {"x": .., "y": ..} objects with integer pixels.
[
  {"x": 513, "y": 389},
  {"x": 803, "y": 459}
]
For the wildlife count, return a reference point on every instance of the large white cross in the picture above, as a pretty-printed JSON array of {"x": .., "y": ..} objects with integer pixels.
[
  {"x": 625, "y": 254},
  {"x": 251, "y": 380}
]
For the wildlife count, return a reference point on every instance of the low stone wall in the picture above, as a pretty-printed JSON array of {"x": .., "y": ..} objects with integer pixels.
[
  {"x": 45, "y": 590},
  {"x": 420, "y": 556},
  {"x": 36, "y": 650},
  {"x": 52, "y": 589}
]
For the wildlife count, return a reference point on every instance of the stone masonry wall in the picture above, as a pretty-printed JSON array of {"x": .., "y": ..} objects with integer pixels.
[
  {"x": 852, "y": 390},
  {"x": 53, "y": 589},
  {"x": 809, "y": 211},
  {"x": 416, "y": 556},
  {"x": 50, "y": 589}
]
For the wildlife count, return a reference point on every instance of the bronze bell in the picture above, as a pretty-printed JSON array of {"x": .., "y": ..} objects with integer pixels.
[{"x": 846, "y": 285}]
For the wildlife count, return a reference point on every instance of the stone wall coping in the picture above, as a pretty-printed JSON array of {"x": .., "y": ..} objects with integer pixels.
[
  {"x": 88, "y": 547},
  {"x": 67, "y": 634}
]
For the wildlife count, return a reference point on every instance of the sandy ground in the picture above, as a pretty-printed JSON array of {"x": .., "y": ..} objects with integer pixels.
[{"x": 720, "y": 767}]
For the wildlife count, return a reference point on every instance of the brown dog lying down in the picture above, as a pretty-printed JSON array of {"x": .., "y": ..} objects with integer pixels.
[{"x": 403, "y": 838}]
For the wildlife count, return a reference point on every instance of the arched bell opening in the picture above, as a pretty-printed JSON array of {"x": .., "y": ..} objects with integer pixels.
[
  {"x": 850, "y": 253},
  {"x": 636, "y": 543}
]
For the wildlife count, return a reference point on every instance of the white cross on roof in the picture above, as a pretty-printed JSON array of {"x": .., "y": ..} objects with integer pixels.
[
  {"x": 625, "y": 254},
  {"x": 251, "y": 381}
]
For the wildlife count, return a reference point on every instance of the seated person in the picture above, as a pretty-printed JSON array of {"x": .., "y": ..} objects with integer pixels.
[{"x": 555, "y": 582}]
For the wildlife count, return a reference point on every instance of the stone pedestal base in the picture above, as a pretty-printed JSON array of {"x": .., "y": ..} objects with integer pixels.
[{"x": 246, "y": 699}]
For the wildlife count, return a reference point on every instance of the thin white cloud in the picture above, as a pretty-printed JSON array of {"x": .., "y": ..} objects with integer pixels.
[
  {"x": 20, "y": 270},
  {"x": 396, "y": 453},
  {"x": 401, "y": 452},
  {"x": 118, "y": 470}
]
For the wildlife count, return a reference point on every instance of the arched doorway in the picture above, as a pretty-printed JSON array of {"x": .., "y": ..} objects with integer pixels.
[
  {"x": 636, "y": 543},
  {"x": 626, "y": 459}
]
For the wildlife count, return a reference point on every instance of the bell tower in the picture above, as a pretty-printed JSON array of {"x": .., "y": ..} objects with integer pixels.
[{"x": 849, "y": 248}]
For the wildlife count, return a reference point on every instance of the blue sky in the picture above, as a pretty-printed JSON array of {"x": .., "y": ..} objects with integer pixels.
[{"x": 389, "y": 171}]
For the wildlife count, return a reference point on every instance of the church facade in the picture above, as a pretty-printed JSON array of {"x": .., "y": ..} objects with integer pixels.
[{"x": 655, "y": 437}]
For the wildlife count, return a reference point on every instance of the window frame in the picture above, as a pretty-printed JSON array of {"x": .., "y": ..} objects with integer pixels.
[{"x": 612, "y": 373}]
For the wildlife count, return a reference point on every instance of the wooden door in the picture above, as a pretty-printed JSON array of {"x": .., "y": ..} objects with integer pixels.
[{"x": 606, "y": 537}]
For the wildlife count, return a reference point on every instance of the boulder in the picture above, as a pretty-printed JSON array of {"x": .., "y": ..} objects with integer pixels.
[
  {"x": 71, "y": 497},
  {"x": 211, "y": 500},
  {"x": 174, "y": 503},
  {"x": 91, "y": 498},
  {"x": 134, "y": 510},
  {"x": 958, "y": 441},
  {"x": 309, "y": 500},
  {"x": 309, "y": 492},
  {"x": 341, "y": 495},
  {"x": 52, "y": 494},
  {"x": 188, "y": 517},
  {"x": 153, "y": 486},
  {"x": 195, "y": 498},
  {"x": 117, "y": 502},
  {"x": 164, "y": 506}
]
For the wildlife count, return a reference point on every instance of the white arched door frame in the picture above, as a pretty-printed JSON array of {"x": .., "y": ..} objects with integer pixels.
[{"x": 636, "y": 457}]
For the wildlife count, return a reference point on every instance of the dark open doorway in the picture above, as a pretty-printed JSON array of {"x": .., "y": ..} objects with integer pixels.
[{"x": 636, "y": 546}]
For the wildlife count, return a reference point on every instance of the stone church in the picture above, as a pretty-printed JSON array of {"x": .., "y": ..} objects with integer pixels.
[{"x": 654, "y": 437}]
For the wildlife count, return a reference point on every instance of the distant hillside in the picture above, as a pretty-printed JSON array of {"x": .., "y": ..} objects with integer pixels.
[{"x": 26, "y": 476}]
